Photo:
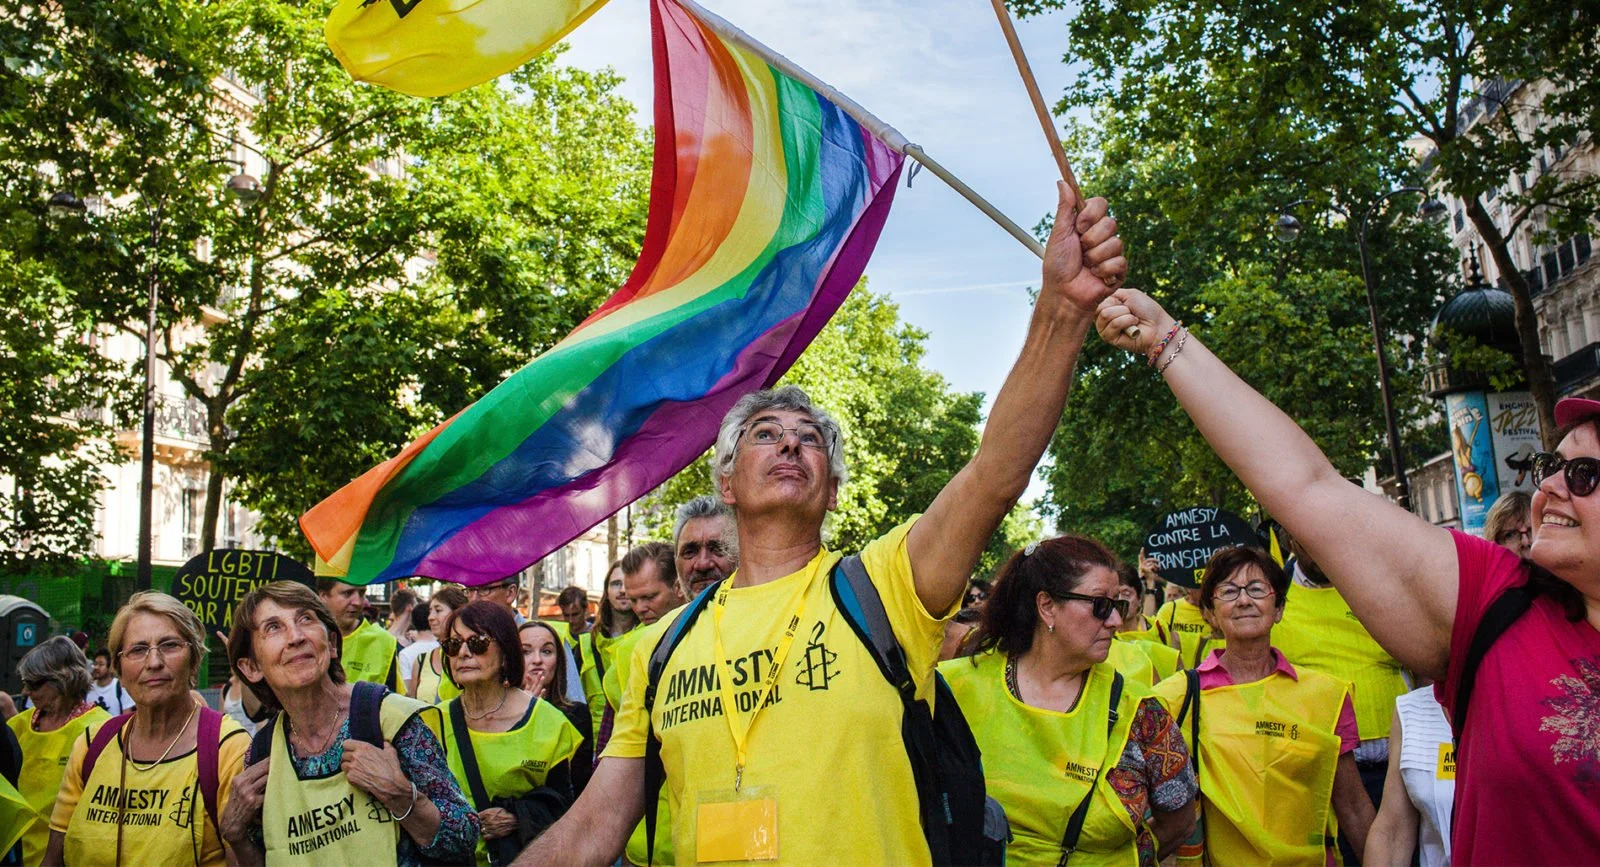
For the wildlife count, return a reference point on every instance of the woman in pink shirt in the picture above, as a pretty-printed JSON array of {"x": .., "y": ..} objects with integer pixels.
[{"x": 1528, "y": 763}]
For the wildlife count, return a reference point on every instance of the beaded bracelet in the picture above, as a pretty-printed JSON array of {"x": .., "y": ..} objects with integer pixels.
[
  {"x": 1155, "y": 352},
  {"x": 1174, "y": 356}
]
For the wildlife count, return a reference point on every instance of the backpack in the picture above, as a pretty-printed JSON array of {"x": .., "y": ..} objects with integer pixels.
[
  {"x": 366, "y": 700},
  {"x": 207, "y": 743},
  {"x": 961, "y": 823}
]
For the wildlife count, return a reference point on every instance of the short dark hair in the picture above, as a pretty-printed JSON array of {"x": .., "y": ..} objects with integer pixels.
[
  {"x": 572, "y": 594},
  {"x": 295, "y": 597},
  {"x": 419, "y": 618},
  {"x": 487, "y": 618},
  {"x": 660, "y": 552},
  {"x": 326, "y": 585},
  {"x": 1053, "y": 566},
  {"x": 451, "y": 597},
  {"x": 401, "y": 600},
  {"x": 1227, "y": 562},
  {"x": 1128, "y": 574},
  {"x": 556, "y": 691},
  {"x": 103, "y": 653}
]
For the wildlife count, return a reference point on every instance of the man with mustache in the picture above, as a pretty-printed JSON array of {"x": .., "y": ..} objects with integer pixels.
[{"x": 704, "y": 544}]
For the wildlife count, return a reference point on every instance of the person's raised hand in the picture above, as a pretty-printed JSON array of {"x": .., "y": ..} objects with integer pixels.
[
  {"x": 1083, "y": 259},
  {"x": 1125, "y": 309}
]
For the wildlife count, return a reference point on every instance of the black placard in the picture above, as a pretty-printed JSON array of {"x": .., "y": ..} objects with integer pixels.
[
  {"x": 212, "y": 583},
  {"x": 1183, "y": 541}
]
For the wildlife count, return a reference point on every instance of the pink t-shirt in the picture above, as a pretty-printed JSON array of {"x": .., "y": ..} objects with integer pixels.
[
  {"x": 1213, "y": 675},
  {"x": 1528, "y": 775}
]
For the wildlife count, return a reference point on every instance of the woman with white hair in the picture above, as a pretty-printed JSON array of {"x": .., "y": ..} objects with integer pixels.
[
  {"x": 149, "y": 786},
  {"x": 56, "y": 677}
]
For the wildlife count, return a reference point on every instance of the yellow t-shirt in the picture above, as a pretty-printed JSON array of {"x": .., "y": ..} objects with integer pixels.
[
  {"x": 164, "y": 820},
  {"x": 827, "y": 744},
  {"x": 44, "y": 763}
]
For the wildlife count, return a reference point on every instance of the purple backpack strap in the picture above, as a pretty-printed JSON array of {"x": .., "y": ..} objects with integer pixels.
[
  {"x": 102, "y": 739},
  {"x": 209, "y": 735}
]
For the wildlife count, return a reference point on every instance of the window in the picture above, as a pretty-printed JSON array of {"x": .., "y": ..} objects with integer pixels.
[{"x": 194, "y": 516}]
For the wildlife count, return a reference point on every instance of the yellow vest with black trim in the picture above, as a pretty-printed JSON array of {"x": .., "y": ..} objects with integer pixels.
[
  {"x": 44, "y": 763},
  {"x": 1183, "y": 627},
  {"x": 1320, "y": 632},
  {"x": 429, "y": 677},
  {"x": 1040, "y": 763},
  {"x": 314, "y": 821},
  {"x": 369, "y": 654},
  {"x": 1267, "y": 753},
  {"x": 515, "y": 762}
]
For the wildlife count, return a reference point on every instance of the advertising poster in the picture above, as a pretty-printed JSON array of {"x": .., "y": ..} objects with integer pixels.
[
  {"x": 1472, "y": 449},
  {"x": 1514, "y": 429}
]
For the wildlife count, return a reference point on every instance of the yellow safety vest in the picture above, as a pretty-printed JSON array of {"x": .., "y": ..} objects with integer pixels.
[
  {"x": 1267, "y": 752},
  {"x": 1319, "y": 632},
  {"x": 1181, "y": 626},
  {"x": 1039, "y": 764},
  {"x": 515, "y": 762},
  {"x": 311, "y": 821},
  {"x": 163, "y": 814},
  {"x": 429, "y": 678},
  {"x": 44, "y": 763},
  {"x": 589, "y": 673},
  {"x": 369, "y": 654},
  {"x": 1149, "y": 662}
]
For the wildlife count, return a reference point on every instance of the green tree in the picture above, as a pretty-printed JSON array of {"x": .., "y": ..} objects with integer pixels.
[
  {"x": 906, "y": 432},
  {"x": 1492, "y": 88}
]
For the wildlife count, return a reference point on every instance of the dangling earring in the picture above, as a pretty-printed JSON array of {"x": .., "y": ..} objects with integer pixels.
[{"x": 1050, "y": 626}]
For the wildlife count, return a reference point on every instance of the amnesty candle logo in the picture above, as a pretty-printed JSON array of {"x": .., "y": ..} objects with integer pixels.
[{"x": 816, "y": 666}]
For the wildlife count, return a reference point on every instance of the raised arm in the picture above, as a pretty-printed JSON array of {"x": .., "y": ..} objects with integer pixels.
[
  {"x": 596, "y": 829},
  {"x": 1082, "y": 256},
  {"x": 1397, "y": 571}
]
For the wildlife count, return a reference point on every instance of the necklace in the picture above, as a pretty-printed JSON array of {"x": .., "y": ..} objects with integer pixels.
[
  {"x": 167, "y": 752},
  {"x": 470, "y": 715},
  {"x": 326, "y": 741}
]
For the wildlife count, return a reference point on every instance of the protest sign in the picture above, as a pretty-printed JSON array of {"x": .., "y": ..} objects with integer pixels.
[
  {"x": 212, "y": 583},
  {"x": 1182, "y": 542}
]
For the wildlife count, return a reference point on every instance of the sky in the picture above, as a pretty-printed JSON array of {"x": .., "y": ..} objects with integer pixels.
[{"x": 939, "y": 72}]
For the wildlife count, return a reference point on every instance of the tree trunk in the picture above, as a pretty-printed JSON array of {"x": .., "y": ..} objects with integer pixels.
[
  {"x": 218, "y": 435},
  {"x": 1536, "y": 366}
]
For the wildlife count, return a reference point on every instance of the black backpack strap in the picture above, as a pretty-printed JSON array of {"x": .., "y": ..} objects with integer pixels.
[
  {"x": 1502, "y": 612},
  {"x": 469, "y": 759},
  {"x": 366, "y": 703},
  {"x": 261, "y": 741},
  {"x": 1191, "y": 709},
  {"x": 655, "y": 774},
  {"x": 1069, "y": 840},
  {"x": 861, "y": 604}
]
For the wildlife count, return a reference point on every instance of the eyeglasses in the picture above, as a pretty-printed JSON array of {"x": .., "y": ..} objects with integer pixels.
[
  {"x": 34, "y": 685},
  {"x": 770, "y": 433},
  {"x": 1254, "y": 590},
  {"x": 1102, "y": 605},
  {"x": 1581, "y": 474},
  {"x": 478, "y": 644},
  {"x": 168, "y": 649},
  {"x": 488, "y": 588},
  {"x": 1522, "y": 534}
]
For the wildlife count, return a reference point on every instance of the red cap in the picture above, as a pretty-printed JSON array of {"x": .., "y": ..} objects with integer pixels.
[{"x": 1571, "y": 410}]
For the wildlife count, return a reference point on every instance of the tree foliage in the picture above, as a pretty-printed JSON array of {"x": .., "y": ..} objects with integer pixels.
[
  {"x": 1272, "y": 91},
  {"x": 906, "y": 431}
]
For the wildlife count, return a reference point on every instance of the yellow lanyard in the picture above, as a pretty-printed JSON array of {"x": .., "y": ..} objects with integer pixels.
[{"x": 730, "y": 710}]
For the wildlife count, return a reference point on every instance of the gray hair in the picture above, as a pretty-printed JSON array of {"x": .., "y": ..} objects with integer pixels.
[
  {"x": 60, "y": 662},
  {"x": 790, "y": 398},
  {"x": 703, "y": 506}
]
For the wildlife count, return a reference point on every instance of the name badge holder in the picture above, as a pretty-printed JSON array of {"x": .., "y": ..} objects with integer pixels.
[{"x": 737, "y": 825}]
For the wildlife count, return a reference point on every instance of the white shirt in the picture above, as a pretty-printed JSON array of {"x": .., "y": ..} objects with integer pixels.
[
  {"x": 407, "y": 660},
  {"x": 1424, "y": 733},
  {"x": 112, "y": 697}
]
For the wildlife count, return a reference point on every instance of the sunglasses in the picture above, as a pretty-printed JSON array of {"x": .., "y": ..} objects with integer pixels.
[
  {"x": 34, "y": 685},
  {"x": 478, "y": 644},
  {"x": 1582, "y": 475},
  {"x": 1102, "y": 606}
]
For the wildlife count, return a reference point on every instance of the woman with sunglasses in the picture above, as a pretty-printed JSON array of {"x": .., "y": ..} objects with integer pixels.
[
  {"x": 1424, "y": 591},
  {"x": 55, "y": 676},
  {"x": 510, "y": 751},
  {"x": 1083, "y": 759},
  {"x": 1274, "y": 743},
  {"x": 174, "y": 757}
]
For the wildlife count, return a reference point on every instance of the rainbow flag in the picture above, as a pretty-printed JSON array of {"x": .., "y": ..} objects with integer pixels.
[{"x": 765, "y": 204}]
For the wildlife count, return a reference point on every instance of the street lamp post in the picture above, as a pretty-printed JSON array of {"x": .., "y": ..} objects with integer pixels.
[
  {"x": 1288, "y": 228},
  {"x": 245, "y": 190}
]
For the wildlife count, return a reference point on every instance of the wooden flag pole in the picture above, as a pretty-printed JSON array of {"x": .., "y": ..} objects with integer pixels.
[{"x": 1046, "y": 121}]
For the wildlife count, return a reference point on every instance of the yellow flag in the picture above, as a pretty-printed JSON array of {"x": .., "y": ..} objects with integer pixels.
[{"x": 435, "y": 47}]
